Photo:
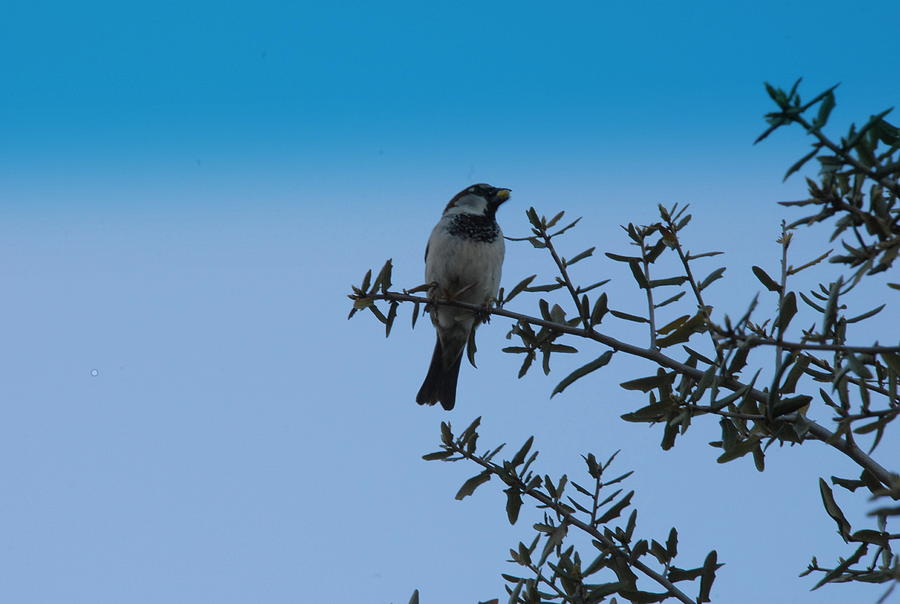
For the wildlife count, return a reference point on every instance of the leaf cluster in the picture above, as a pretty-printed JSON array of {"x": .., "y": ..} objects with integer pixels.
[{"x": 552, "y": 569}]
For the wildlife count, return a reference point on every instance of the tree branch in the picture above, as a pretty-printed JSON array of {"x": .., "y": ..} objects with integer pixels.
[
  {"x": 817, "y": 431},
  {"x": 573, "y": 521},
  {"x": 758, "y": 341}
]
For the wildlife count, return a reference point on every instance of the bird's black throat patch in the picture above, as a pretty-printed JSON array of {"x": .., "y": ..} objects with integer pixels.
[{"x": 475, "y": 227}]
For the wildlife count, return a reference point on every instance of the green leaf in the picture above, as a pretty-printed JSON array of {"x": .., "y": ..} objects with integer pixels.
[
  {"x": 515, "y": 349},
  {"x": 651, "y": 413},
  {"x": 513, "y": 504},
  {"x": 668, "y": 301},
  {"x": 857, "y": 366},
  {"x": 587, "y": 288},
  {"x": 526, "y": 364},
  {"x": 383, "y": 280},
  {"x": 672, "y": 543},
  {"x": 698, "y": 356},
  {"x": 392, "y": 314},
  {"x": 556, "y": 538},
  {"x": 683, "y": 333},
  {"x": 788, "y": 310},
  {"x": 848, "y": 483},
  {"x": 676, "y": 323},
  {"x": 628, "y": 317},
  {"x": 825, "y": 108},
  {"x": 566, "y": 228},
  {"x": 378, "y": 314},
  {"x": 766, "y": 280},
  {"x": 703, "y": 255},
  {"x": 871, "y": 536},
  {"x": 831, "y": 305},
  {"x": 710, "y": 566},
  {"x": 437, "y": 455},
  {"x": 656, "y": 250},
  {"x": 800, "y": 162},
  {"x": 789, "y": 405},
  {"x": 790, "y": 382},
  {"x": 639, "y": 275},
  {"x": 582, "y": 371},
  {"x": 669, "y": 281},
  {"x": 838, "y": 570},
  {"x": 519, "y": 457},
  {"x": 600, "y": 309},
  {"x": 544, "y": 307},
  {"x": 580, "y": 256},
  {"x": 646, "y": 384},
  {"x": 866, "y": 315},
  {"x": 415, "y": 314},
  {"x": 520, "y": 286},
  {"x": 658, "y": 552},
  {"x": 545, "y": 288},
  {"x": 600, "y": 591},
  {"x": 833, "y": 510},
  {"x": 679, "y": 574},
  {"x": 616, "y": 509},
  {"x": 557, "y": 314},
  {"x": 619, "y": 258},
  {"x": 552, "y": 222},
  {"x": 892, "y": 360},
  {"x": 643, "y": 597},
  {"x": 811, "y": 303},
  {"x": 446, "y": 434},
  {"x": 729, "y": 435},
  {"x": 473, "y": 483},
  {"x": 713, "y": 276}
]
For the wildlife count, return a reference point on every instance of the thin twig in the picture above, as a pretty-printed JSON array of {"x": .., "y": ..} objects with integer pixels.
[
  {"x": 651, "y": 314},
  {"x": 696, "y": 289},
  {"x": 585, "y": 320}
]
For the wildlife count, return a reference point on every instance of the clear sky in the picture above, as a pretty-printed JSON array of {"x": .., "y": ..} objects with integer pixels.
[{"x": 187, "y": 191}]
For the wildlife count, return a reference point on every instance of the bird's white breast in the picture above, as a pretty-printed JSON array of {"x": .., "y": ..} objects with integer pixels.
[{"x": 457, "y": 262}]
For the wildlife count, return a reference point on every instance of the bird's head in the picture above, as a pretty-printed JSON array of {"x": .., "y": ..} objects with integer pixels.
[{"x": 479, "y": 200}]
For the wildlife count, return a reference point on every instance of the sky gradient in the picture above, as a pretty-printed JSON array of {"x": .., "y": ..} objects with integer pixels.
[{"x": 188, "y": 191}]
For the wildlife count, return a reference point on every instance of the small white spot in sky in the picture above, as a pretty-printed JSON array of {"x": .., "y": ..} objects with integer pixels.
[{"x": 94, "y": 372}]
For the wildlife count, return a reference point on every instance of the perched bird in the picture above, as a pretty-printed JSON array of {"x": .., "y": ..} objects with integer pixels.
[{"x": 462, "y": 262}]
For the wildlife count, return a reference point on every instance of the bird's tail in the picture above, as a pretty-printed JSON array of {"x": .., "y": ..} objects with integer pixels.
[{"x": 440, "y": 383}]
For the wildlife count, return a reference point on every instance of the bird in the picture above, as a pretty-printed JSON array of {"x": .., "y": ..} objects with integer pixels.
[{"x": 463, "y": 262}]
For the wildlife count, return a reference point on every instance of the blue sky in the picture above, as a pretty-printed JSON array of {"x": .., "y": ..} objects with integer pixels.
[{"x": 187, "y": 192}]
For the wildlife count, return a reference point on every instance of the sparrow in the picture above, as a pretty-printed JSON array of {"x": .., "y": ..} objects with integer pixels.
[{"x": 463, "y": 260}]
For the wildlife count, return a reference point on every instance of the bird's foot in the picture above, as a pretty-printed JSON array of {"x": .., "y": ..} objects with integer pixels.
[{"x": 483, "y": 315}]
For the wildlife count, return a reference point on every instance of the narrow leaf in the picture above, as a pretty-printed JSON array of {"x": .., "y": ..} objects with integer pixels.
[
  {"x": 766, "y": 280},
  {"x": 639, "y": 275},
  {"x": 713, "y": 276},
  {"x": 513, "y": 504},
  {"x": 580, "y": 256},
  {"x": 473, "y": 483},
  {"x": 582, "y": 371},
  {"x": 628, "y": 317},
  {"x": 833, "y": 510},
  {"x": 520, "y": 286},
  {"x": 787, "y": 312}
]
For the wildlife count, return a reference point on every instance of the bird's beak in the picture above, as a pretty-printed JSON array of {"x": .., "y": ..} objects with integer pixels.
[{"x": 502, "y": 195}]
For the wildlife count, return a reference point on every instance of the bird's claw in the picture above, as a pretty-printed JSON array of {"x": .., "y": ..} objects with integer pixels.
[{"x": 483, "y": 315}]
